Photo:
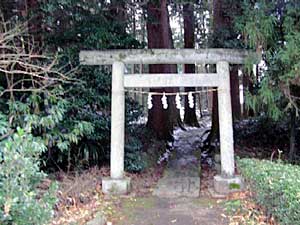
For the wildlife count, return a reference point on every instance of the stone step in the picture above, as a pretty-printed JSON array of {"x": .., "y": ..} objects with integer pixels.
[
  {"x": 175, "y": 172},
  {"x": 178, "y": 187}
]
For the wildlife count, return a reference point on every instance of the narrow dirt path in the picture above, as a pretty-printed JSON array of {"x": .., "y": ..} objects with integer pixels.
[{"x": 175, "y": 199}]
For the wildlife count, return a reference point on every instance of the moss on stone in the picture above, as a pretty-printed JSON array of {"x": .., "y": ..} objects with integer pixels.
[{"x": 234, "y": 186}]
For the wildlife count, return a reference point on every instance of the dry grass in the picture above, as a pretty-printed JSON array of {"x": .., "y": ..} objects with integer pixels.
[
  {"x": 80, "y": 195},
  {"x": 246, "y": 211}
]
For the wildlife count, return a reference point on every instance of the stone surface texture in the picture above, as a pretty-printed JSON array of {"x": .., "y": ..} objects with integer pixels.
[
  {"x": 225, "y": 120},
  {"x": 225, "y": 185},
  {"x": 164, "y": 56},
  {"x": 117, "y": 121},
  {"x": 170, "y": 211},
  {"x": 115, "y": 186},
  {"x": 182, "y": 175},
  {"x": 171, "y": 80}
]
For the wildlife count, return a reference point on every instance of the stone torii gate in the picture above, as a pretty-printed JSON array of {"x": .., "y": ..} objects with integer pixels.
[{"x": 119, "y": 184}]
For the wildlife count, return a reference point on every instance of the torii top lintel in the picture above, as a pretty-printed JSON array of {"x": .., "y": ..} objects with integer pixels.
[{"x": 164, "y": 56}]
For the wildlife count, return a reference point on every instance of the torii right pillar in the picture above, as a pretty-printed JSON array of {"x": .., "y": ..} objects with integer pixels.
[{"x": 227, "y": 181}]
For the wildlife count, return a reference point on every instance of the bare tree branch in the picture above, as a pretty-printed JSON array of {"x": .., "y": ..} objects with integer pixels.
[{"x": 24, "y": 69}]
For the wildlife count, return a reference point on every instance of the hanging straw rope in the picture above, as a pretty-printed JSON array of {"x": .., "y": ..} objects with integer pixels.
[{"x": 172, "y": 93}]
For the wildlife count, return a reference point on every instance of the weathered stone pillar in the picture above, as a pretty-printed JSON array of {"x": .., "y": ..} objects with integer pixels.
[
  {"x": 117, "y": 184},
  {"x": 225, "y": 120},
  {"x": 227, "y": 181},
  {"x": 117, "y": 121}
]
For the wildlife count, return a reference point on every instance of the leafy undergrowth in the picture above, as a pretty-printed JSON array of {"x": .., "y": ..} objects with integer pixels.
[
  {"x": 276, "y": 186},
  {"x": 241, "y": 208},
  {"x": 80, "y": 195}
]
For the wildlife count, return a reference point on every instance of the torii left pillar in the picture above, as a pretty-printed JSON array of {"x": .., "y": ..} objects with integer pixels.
[{"x": 117, "y": 183}]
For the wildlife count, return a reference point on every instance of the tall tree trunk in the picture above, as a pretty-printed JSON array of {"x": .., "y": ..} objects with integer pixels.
[
  {"x": 235, "y": 92},
  {"x": 118, "y": 14},
  {"x": 222, "y": 22},
  {"x": 248, "y": 86},
  {"x": 190, "y": 117},
  {"x": 217, "y": 23},
  {"x": 214, "y": 134},
  {"x": 294, "y": 91},
  {"x": 292, "y": 135},
  {"x": 161, "y": 121}
]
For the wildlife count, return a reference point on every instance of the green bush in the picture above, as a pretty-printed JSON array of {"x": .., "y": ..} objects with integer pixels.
[
  {"x": 134, "y": 160},
  {"x": 277, "y": 187},
  {"x": 22, "y": 199}
]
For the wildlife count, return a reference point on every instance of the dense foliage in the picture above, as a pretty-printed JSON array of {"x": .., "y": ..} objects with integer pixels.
[
  {"x": 32, "y": 109},
  {"x": 33, "y": 88},
  {"x": 263, "y": 132},
  {"x": 21, "y": 202},
  {"x": 276, "y": 186},
  {"x": 272, "y": 29},
  {"x": 73, "y": 26},
  {"x": 54, "y": 115}
]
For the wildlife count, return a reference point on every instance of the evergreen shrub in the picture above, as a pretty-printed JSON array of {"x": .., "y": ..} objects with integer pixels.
[
  {"x": 276, "y": 186},
  {"x": 134, "y": 160},
  {"x": 23, "y": 200}
]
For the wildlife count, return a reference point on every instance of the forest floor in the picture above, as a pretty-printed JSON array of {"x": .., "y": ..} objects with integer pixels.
[{"x": 154, "y": 200}]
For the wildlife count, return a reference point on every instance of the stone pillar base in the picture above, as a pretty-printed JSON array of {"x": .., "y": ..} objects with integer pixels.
[
  {"x": 225, "y": 185},
  {"x": 115, "y": 186}
]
